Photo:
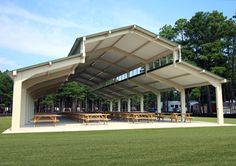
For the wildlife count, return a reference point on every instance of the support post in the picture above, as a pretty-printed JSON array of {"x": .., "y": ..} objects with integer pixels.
[
  {"x": 111, "y": 106},
  {"x": 158, "y": 102},
  {"x": 119, "y": 103},
  {"x": 183, "y": 103},
  {"x": 17, "y": 105},
  {"x": 219, "y": 104},
  {"x": 142, "y": 103},
  {"x": 175, "y": 56},
  {"x": 129, "y": 104}
]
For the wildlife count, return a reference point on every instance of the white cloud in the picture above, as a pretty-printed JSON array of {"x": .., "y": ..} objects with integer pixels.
[
  {"x": 4, "y": 61},
  {"x": 24, "y": 37},
  {"x": 28, "y": 32},
  {"x": 13, "y": 10},
  {"x": 23, "y": 31}
]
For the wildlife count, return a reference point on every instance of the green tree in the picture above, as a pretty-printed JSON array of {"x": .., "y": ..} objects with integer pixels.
[
  {"x": 168, "y": 32},
  {"x": 75, "y": 91},
  {"x": 49, "y": 101},
  {"x": 6, "y": 89},
  {"x": 206, "y": 40}
]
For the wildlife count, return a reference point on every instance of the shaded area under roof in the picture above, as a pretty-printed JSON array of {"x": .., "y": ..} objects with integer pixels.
[{"x": 171, "y": 76}]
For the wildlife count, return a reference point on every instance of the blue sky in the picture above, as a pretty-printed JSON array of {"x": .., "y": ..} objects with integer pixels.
[{"x": 34, "y": 31}]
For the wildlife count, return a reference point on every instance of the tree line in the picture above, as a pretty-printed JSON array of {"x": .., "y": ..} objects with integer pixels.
[{"x": 208, "y": 40}]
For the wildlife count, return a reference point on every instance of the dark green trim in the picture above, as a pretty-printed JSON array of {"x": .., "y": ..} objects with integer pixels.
[
  {"x": 46, "y": 63},
  {"x": 137, "y": 28},
  {"x": 75, "y": 46}
]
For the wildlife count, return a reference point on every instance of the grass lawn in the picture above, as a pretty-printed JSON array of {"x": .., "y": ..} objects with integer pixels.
[{"x": 182, "y": 146}]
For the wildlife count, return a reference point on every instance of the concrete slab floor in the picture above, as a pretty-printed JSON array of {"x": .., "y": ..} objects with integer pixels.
[{"x": 68, "y": 125}]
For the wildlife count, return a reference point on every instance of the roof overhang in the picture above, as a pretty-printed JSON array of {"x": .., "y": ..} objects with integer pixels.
[{"x": 178, "y": 76}]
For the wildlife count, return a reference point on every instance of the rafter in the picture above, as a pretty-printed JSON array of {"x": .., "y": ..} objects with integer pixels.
[
  {"x": 47, "y": 83},
  {"x": 114, "y": 64},
  {"x": 165, "y": 81},
  {"x": 159, "y": 56},
  {"x": 127, "y": 89},
  {"x": 46, "y": 77},
  {"x": 156, "y": 40},
  {"x": 109, "y": 93},
  {"x": 149, "y": 88},
  {"x": 127, "y": 54},
  {"x": 85, "y": 81},
  {"x": 141, "y": 46},
  {"x": 115, "y": 91},
  {"x": 182, "y": 75}
]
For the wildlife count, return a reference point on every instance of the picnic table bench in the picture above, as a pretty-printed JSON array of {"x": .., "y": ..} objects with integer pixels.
[
  {"x": 142, "y": 116},
  {"x": 187, "y": 117},
  {"x": 88, "y": 117},
  {"x": 160, "y": 116},
  {"x": 38, "y": 118},
  {"x": 174, "y": 116}
]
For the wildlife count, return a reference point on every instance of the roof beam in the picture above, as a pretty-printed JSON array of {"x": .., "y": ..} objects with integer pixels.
[
  {"x": 115, "y": 91},
  {"x": 155, "y": 40},
  {"x": 85, "y": 81},
  {"x": 197, "y": 85},
  {"x": 55, "y": 65},
  {"x": 104, "y": 50},
  {"x": 97, "y": 45},
  {"x": 128, "y": 89},
  {"x": 114, "y": 64},
  {"x": 46, "y": 90},
  {"x": 165, "y": 81},
  {"x": 109, "y": 93},
  {"x": 182, "y": 75},
  {"x": 46, "y": 77},
  {"x": 44, "y": 93},
  {"x": 159, "y": 56},
  {"x": 199, "y": 73},
  {"x": 92, "y": 76},
  {"x": 149, "y": 88},
  {"x": 141, "y": 46},
  {"x": 131, "y": 55},
  {"x": 104, "y": 36},
  {"x": 104, "y": 95},
  {"x": 47, "y": 83}
]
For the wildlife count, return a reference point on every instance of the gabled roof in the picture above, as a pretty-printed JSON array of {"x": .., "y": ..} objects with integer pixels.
[
  {"x": 130, "y": 27},
  {"x": 115, "y": 52},
  {"x": 99, "y": 58}
]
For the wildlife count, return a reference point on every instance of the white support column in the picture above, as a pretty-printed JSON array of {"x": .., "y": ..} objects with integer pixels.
[
  {"x": 31, "y": 109},
  {"x": 119, "y": 104},
  {"x": 129, "y": 104},
  {"x": 142, "y": 103},
  {"x": 111, "y": 106},
  {"x": 17, "y": 104},
  {"x": 175, "y": 56},
  {"x": 183, "y": 103},
  {"x": 158, "y": 102},
  {"x": 219, "y": 104}
]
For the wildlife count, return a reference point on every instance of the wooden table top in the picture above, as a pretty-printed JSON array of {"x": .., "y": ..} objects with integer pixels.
[{"x": 46, "y": 115}]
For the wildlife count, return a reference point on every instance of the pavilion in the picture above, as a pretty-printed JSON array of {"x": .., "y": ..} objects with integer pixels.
[{"x": 117, "y": 63}]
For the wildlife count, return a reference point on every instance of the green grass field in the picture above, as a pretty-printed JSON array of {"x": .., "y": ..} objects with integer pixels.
[{"x": 182, "y": 146}]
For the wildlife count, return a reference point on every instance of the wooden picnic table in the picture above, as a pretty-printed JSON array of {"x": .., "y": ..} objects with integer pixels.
[
  {"x": 136, "y": 116},
  {"x": 45, "y": 118},
  {"x": 175, "y": 116},
  {"x": 87, "y": 117}
]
